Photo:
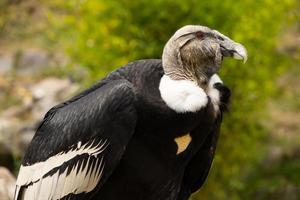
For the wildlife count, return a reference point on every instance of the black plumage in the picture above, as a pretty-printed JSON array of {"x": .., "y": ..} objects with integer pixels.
[
  {"x": 119, "y": 139},
  {"x": 141, "y": 160}
]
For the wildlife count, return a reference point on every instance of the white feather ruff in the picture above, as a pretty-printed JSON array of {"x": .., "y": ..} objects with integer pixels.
[
  {"x": 186, "y": 96},
  {"x": 182, "y": 95},
  {"x": 213, "y": 93}
]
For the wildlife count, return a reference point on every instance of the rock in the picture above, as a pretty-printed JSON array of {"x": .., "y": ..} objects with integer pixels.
[
  {"x": 18, "y": 123},
  {"x": 15, "y": 135},
  {"x": 48, "y": 93},
  {"x": 6, "y": 63},
  {"x": 8, "y": 135},
  {"x": 31, "y": 61},
  {"x": 25, "y": 62},
  {"x": 7, "y": 184}
]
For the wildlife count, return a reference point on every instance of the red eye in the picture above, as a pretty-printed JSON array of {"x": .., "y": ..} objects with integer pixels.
[{"x": 199, "y": 35}]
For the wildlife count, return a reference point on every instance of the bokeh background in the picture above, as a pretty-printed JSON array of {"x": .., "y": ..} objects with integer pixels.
[{"x": 52, "y": 49}]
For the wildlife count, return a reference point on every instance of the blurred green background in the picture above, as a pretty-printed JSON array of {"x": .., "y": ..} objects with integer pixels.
[{"x": 258, "y": 155}]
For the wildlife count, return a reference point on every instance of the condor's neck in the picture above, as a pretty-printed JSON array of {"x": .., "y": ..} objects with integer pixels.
[
  {"x": 189, "y": 73},
  {"x": 199, "y": 79}
]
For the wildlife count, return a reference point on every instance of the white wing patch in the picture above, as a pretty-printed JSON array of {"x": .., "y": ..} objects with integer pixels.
[{"x": 83, "y": 176}]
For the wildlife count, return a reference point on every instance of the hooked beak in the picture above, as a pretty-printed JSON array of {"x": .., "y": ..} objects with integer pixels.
[{"x": 233, "y": 49}]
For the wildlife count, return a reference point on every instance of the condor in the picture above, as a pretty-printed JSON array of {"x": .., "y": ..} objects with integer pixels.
[{"x": 147, "y": 131}]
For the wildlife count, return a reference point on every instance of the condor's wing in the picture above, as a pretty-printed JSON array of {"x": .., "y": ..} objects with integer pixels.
[{"x": 78, "y": 144}]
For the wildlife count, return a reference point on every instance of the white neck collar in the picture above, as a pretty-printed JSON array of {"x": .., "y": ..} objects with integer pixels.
[
  {"x": 182, "y": 95},
  {"x": 186, "y": 96}
]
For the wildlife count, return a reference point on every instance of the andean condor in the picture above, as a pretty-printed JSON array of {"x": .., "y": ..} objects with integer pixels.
[{"x": 147, "y": 131}]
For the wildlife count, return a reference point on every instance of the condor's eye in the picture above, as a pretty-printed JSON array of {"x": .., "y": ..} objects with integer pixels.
[{"x": 200, "y": 35}]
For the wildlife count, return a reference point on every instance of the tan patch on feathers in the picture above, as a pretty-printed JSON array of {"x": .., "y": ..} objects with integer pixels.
[{"x": 182, "y": 142}]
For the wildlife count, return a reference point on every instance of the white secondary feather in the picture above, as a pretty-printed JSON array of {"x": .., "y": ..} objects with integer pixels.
[
  {"x": 182, "y": 95},
  {"x": 58, "y": 185},
  {"x": 213, "y": 93}
]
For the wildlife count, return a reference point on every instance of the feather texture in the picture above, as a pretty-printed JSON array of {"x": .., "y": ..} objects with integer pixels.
[{"x": 79, "y": 175}]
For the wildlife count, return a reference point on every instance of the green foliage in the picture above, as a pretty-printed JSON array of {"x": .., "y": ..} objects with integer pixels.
[
  {"x": 267, "y": 183},
  {"x": 103, "y": 35}
]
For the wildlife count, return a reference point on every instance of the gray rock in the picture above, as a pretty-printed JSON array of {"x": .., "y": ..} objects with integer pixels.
[
  {"x": 48, "y": 93},
  {"x": 31, "y": 61},
  {"x": 8, "y": 135},
  {"x": 18, "y": 123},
  {"x": 7, "y": 184},
  {"x": 6, "y": 63},
  {"x": 15, "y": 135}
]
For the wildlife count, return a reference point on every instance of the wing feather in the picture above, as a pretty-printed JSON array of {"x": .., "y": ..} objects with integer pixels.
[{"x": 78, "y": 141}]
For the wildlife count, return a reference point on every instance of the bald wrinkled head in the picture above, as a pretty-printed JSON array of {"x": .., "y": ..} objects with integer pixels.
[{"x": 196, "y": 52}]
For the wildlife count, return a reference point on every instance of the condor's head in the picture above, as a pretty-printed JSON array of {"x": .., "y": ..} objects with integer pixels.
[{"x": 196, "y": 52}]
